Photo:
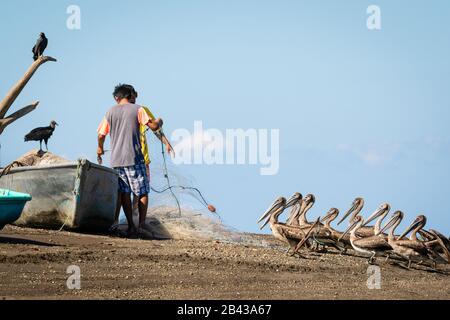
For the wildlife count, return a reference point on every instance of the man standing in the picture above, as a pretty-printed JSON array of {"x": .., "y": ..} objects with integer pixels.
[
  {"x": 144, "y": 147},
  {"x": 122, "y": 122}
]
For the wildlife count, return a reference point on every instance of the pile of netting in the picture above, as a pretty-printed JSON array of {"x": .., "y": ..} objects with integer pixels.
[
  {"x": 178, "y": 208},
  {"x": 33, "y": 158}
]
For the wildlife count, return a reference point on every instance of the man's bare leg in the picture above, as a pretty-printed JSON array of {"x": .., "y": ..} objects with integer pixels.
[
  {"x": 135, "y": 205},
  {"x": 143, "y": 207},
  {"x": 128, "y": 209},
  {"x": 115, "y": 225},
  {"x": 117, "y": 212}
]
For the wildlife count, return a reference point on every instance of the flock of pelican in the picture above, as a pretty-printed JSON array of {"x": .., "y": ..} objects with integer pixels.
[{"x": 422, "y": 245}]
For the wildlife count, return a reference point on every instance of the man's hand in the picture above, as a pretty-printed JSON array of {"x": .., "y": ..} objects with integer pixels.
[
  {"x": 166, "y": 142},
  {"x": 100, "y": 151},
  {"x": 170, "y": 150},
  {"x": 155, "y": 124}
]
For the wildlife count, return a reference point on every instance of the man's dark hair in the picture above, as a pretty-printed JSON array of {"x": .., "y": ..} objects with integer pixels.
[{"x": 124, "y": 91}]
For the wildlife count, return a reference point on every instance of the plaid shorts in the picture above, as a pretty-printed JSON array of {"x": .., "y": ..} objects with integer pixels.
[{"x": 134, "y": 179}]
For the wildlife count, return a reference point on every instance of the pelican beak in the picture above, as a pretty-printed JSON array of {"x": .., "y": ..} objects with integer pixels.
[
  {"x": 327, "y": 216},
  {"x": 265, "y": 223},
  {"x": 411, "y": 227},
  {"x": 348, "y": 230},
  {"x": 292, "y": 201},
  {"x": 388, "y": 225},
  {"x": 280, "y": 209},
  {"x": 380, "y": 211},
  {"x": 353, "y": 208},
  {"x": 276, "y": 205}
]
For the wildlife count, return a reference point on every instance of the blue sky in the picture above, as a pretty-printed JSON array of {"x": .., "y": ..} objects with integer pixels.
[{"x": 361, "y": 113}]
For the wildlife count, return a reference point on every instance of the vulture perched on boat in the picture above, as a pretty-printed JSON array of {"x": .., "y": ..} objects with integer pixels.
[
  {"x": 39, "y": 47},
  {"x": 43, "y": 133}
]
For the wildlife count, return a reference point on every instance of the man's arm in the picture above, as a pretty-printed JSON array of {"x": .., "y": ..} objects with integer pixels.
[
  {"x": 100, "y": 149},
  {"x": 155, "y": 124},
  {"x": 162, "y": 137},
  {"x": 146, "y": 120},
  {"x": 101, "y": 142},
  {"x": 102, "y": 131}
]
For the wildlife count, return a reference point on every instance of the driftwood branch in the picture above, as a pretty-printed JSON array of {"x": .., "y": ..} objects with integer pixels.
[
  {"x": 17, "y": 115},
  {"x": 7, "y": 102}
]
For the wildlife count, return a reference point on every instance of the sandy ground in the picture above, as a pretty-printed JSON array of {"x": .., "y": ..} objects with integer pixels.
[{"x": 33, "y": 265}]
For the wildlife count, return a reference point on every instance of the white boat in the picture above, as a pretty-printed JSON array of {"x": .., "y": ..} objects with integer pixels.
[{"x": 76, "y": 196}]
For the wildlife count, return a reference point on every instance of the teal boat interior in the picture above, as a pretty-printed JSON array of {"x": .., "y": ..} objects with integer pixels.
[{"x": 11, "y": 206}]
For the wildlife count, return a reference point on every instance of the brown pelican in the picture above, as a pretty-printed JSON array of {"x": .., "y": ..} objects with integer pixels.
[
  {"x": 298, "y": 216},
  {"x": 306, "y": 204},
  {"x": 288, "y": 234},
  {"x": 372, "y": 245},
  {"x": 297, "y": 200},
  {"x": 438, "y": 235},
  {"x": 416, "y": 227},
  {"x": 335, "y": 234},
  {"x": 321, "y": 234},
  {"x": 435, "y": 241},
  {"x": 328, "y": 219},
  {"x": 308, "y": 235},
  {"x": 379, "y": 214},
  {"x": 357, "y": 206},
  {"x": 355, "y": 209},
  {"x": 409, "y": 249},
  {"x": 435, "y": 237}
]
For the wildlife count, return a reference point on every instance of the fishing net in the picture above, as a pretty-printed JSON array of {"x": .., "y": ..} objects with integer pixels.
[
  {"x": 178, "y": 208},
  {"x": 195, "y": 218},
  {"x": 180, "y": 212}
]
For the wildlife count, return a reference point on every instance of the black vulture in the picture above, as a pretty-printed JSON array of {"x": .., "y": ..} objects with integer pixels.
[
  {"x": 39, "y": 47},
  {"x": 40, "y": 134}
]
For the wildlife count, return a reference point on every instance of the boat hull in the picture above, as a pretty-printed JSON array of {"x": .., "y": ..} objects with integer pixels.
[
  {"x": 11, "y": 206},
  {"x": 75, "y": 196}
]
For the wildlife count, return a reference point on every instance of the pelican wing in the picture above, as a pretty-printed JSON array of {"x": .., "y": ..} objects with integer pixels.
[
  {"x": 293, "y": 233},
  {"x": 412, "y": 244},
  {"x": 373, "y": 243}
]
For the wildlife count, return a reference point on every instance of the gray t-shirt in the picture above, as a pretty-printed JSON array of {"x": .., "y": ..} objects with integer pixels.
[{"x": 124, "y": 127}]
